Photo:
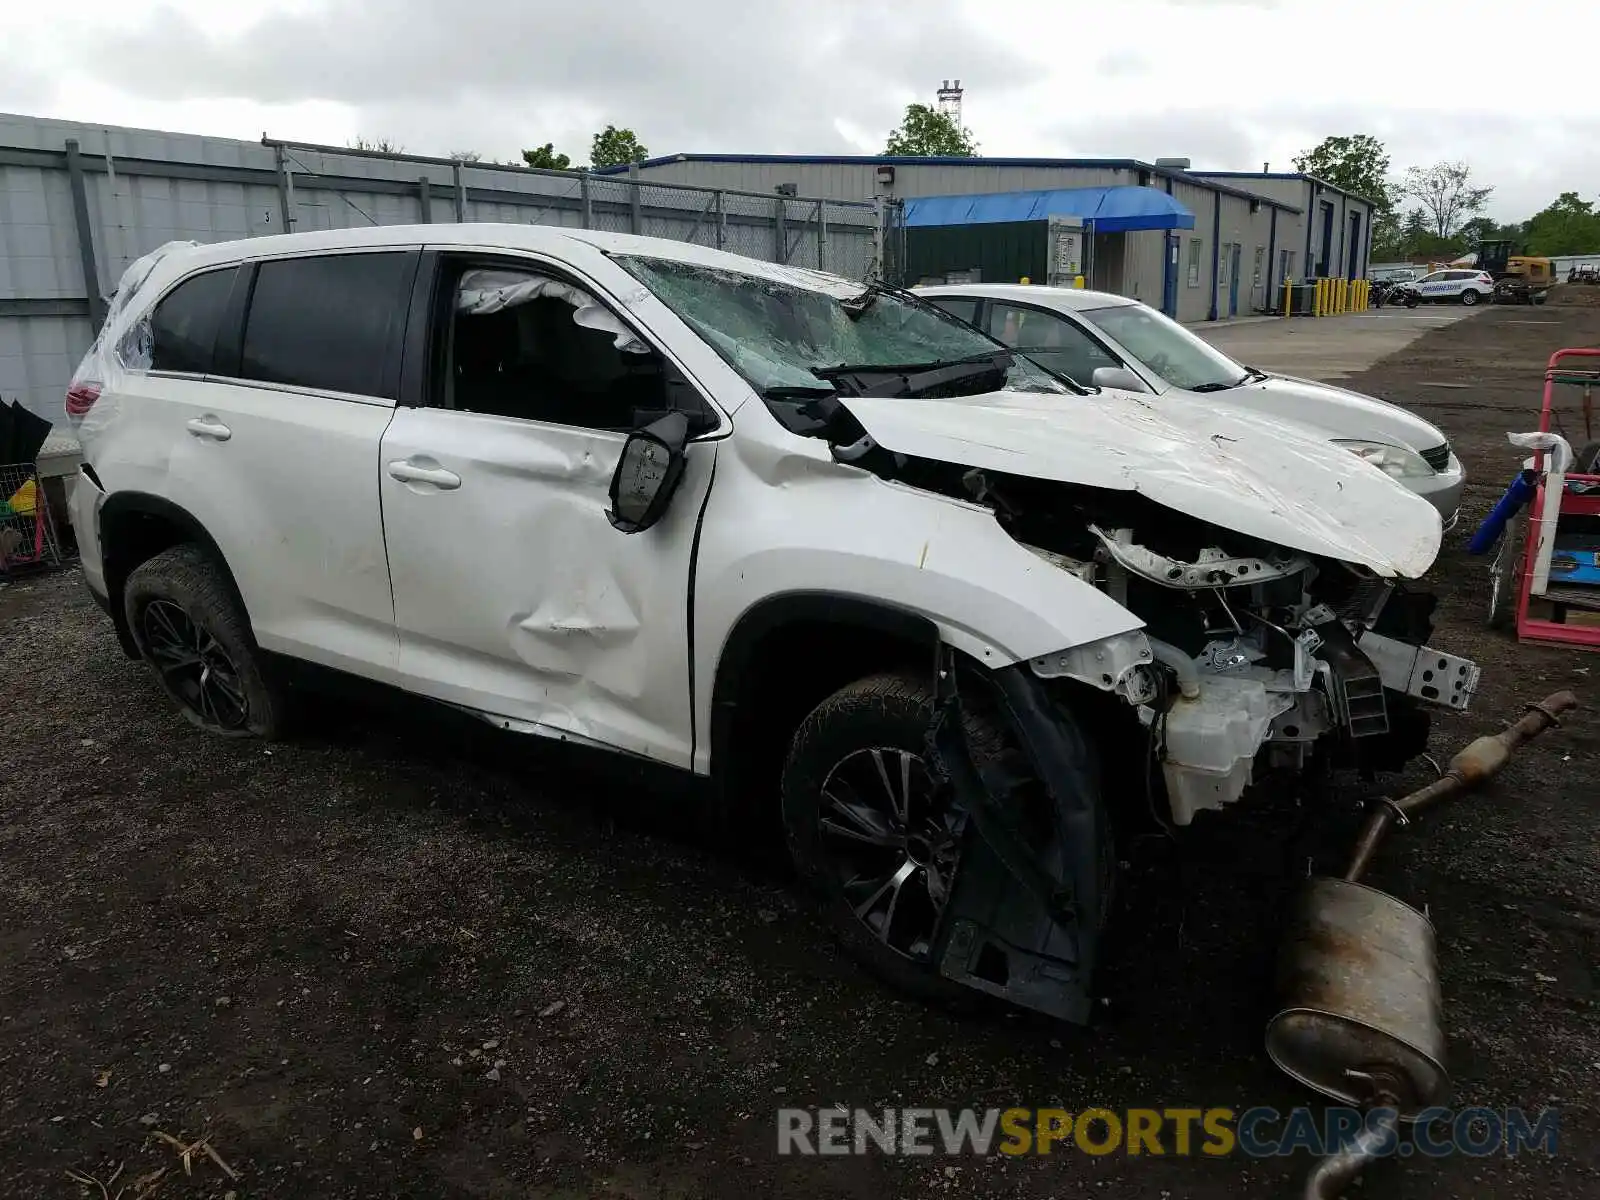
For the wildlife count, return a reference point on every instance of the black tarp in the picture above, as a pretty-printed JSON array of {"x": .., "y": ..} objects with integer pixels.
[{"x": 21, "y": 433}]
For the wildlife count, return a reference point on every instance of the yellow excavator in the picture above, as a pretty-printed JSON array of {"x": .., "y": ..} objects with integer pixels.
[{"x": 1518, "y": 278}]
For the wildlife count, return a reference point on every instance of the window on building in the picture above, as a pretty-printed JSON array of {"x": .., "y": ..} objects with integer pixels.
[
  {"x": 1051, "y": 340},
  {"x": 328, "y": 322},
  {"x": 1195, "y": 246},
  {"x": 183, "y": 330},
  {"x": 1261, "y": 259}
]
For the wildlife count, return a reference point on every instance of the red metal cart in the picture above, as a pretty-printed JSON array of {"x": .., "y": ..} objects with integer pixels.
[{"x": 1562, "y": 495}]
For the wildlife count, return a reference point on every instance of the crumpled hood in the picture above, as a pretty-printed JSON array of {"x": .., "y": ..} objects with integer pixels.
[
  {"x": 1337, "y": 411},
  {"x": 1239, "y": 470}
]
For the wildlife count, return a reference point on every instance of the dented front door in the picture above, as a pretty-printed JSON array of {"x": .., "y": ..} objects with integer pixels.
[{"x": 514, "y": 595}]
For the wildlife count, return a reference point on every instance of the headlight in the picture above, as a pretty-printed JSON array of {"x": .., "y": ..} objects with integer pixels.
[{"x": 1397, "y": 461}]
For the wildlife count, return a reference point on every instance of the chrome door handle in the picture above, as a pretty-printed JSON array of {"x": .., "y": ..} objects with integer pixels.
[
  {"x": 210, "y": 427},
  {"x": 408, "y": 472}
]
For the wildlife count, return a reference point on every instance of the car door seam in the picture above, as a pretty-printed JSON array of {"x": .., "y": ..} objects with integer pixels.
[{"x": 694, "y": 565}]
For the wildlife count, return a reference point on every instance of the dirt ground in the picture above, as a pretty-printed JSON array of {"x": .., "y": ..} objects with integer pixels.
[{"x": 401, "y": 957}]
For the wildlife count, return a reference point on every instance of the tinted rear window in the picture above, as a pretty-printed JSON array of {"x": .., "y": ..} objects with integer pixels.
[
  {"x": 327, "y": 322},
  {"x": 183, "y": 329}
]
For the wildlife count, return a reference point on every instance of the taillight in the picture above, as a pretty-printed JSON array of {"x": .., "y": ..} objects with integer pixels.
[{"x": 81, "y": 398}]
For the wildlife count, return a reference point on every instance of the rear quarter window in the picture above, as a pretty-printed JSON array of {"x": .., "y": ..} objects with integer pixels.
[
  {"x": 183, "y": 328},
  {"x": 329, "y": 322}
]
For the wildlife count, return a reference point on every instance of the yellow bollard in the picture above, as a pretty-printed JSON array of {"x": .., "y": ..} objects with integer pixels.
[
  {"x": 1344, "y": 296},
  {"x": 1318, "y": 297},
  {"x": 1077, "y": 281},
  {"x": 1366, "y": 293},
  {"x": 1288, "y": 297}
]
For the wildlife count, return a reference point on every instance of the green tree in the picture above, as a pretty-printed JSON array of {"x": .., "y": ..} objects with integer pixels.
[
  {"x": 1358, "y": 163},
  {"x": 1388, "y": 236},
  {"x": 1446, "y": 195},
  {"x": 1569, "y": 226},
  {"x": 613, "y": 147},
  {"x": 545, "y": 156},
  {"x": 927, "y": 132}
]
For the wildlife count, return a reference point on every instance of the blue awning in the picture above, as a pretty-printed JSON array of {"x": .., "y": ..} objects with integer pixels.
[{"x": 1102, "y": 209}]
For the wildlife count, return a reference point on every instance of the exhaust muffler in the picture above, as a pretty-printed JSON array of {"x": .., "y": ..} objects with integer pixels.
[{"x": 1363, "y": 1020}]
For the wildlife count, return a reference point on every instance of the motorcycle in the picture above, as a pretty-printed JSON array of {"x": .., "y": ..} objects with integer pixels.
[{"x": 1395, "y": 291}]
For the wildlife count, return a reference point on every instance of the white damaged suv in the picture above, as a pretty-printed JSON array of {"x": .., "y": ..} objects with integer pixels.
[{"x": 838, "y": 554}]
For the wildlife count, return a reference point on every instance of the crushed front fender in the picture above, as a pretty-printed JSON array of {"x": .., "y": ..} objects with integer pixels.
[{"x": 1030, "y": 896}]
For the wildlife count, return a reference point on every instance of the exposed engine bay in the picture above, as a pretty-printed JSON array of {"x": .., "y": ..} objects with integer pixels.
[
  {"x": 1251, "y": 647},
  {"x": 1252, "y": 655}
]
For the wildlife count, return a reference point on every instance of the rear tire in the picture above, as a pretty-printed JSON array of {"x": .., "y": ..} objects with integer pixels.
[{"x": 194, "y": 635}]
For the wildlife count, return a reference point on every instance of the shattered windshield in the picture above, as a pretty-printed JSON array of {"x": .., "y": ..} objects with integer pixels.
[
  {"x": 1167, "y": 348},
  {"x": 785, "y": 337}
]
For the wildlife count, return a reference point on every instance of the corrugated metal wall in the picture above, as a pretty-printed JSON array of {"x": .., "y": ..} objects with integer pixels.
[
  {"x": 141, "y": 188},
  {"x": 1140, "y": 266},
  {"x": 859, "y": 180},
  {"x": 1308, "y": 196},
  {"x": 1001, "y": 252}
]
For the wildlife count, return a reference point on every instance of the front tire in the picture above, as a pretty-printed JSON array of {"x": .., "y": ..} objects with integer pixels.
[
  {"x": 194, "y": 635},
  {"x": 1469, "y": 298},
  {"x": 873, "y": 832}
]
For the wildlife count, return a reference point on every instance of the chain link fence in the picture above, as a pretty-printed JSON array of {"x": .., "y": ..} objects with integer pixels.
[{"x": 848, "y": 238}]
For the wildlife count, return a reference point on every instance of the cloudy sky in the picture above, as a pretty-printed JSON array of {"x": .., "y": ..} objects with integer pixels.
[{"x": 1228, "y": 83}]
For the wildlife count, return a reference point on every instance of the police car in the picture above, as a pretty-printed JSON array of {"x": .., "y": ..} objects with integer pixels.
[{"x": 1464, "y": 286}]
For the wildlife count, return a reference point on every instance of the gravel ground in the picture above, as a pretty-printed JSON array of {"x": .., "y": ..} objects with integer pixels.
[{"x": 399, "y": 956}]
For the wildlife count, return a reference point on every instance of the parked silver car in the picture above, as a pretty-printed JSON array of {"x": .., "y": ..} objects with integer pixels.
[{"x": 1098, "y": 339}]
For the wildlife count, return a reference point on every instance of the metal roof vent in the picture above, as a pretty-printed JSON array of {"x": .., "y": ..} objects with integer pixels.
[{"x": 1173, "y": 164}]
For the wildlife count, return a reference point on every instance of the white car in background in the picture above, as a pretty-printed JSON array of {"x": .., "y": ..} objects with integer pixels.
[
  {"x": 1097, "y": 339},
  {"x": 1459, "y": 285}
]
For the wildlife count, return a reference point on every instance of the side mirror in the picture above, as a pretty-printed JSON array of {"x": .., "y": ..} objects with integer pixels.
[
  {"x": 648, "y": 473},
  {"x": 1117, "y": 377}
]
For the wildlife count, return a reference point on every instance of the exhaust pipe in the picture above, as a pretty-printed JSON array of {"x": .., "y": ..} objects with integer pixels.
[{"x": 1362, "y": 1021}]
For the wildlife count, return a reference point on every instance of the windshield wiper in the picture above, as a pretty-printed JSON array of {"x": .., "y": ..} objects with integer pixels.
[
  {"x": 913, "y": 379},
  {"x": 796, "y": 391},
  {"x": 1216, "y": 387}
]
